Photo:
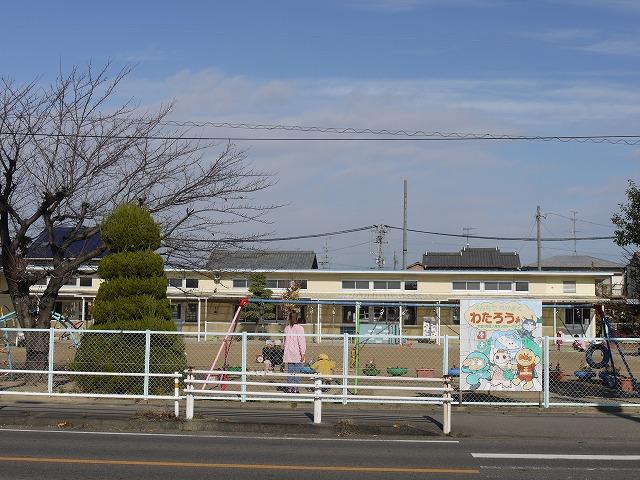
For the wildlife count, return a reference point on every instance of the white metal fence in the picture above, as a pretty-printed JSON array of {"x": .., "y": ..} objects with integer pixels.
[{"x": 145, "y": 364}]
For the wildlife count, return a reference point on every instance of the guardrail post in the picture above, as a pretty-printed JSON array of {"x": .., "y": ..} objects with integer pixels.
[
  {"x": 345, "y": 367},
  {"x": 243, "y": 387},
  {"x": 445, "y": 356},
  {"x": 51, "y": 357},
  {"x": 190, "y": 401},
  {"x": 176, "y": 393},
  {"x": 147, "y": 361},
  {"x": 545, "y": 372},
  {"x": 446, "y": 406},
  {"x": 317, "y": 399}
]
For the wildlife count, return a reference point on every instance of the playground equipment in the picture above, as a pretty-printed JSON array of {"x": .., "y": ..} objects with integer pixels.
[
  {"x": 4, "y": 320},
  {"x": 69, "y": 326},
  {"x": 225, "y": 348},
  {"x": 611, "y": 375}
]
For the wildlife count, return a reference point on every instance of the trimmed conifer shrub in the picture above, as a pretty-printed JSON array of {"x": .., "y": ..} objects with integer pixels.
[{"x": 132, "y": 296}]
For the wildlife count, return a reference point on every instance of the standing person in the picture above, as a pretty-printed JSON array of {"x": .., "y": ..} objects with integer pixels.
[{"x": 295, "y": 347}]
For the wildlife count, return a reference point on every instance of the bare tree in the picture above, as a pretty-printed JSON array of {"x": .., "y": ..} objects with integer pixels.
[{"x": 69, "y": 153}]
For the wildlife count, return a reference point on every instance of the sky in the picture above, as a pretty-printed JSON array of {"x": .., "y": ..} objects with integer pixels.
[{"x": 551, "y": 67}]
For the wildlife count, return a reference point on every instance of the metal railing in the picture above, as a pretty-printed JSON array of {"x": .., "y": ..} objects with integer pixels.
[
  {"x": 215, "y": 386},
  {"x": 142, "y": 364}
]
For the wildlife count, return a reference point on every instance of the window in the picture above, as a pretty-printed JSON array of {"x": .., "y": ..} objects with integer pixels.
[
  {"x": 498, "y": 286},
  {"x": 191, "y": 314},
  {"x": 522, "y": 286},
  {"x": 42, "y": 281},
  {"x": 355, "y": 284},
  {"x": 175, "y": 282},
  {"x": 73, "y": 281},
  {"x": 386, "y": 285},
  {"x": 411, "y": 285},
  {"x": 577, "y": 316},
  {"x": 86, "y": 281},
  {"x": 569, "y": 286},
  {"x": 272, "y": 283},
  {"x": 240, "y": 283},
  {"x": 176, "y": 311},
  {"x": 191, "y": 283},
  {"x": 466, "y": 285}
]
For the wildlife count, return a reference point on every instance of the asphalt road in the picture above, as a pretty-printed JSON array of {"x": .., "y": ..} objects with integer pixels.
[{"x": 70, "y": 454}]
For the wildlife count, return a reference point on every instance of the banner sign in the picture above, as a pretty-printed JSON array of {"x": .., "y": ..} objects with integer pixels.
[{"x": 501, "y": 345}]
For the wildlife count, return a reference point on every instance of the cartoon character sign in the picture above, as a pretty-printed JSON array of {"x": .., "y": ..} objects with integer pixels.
[{"x": 500, "y": 344}]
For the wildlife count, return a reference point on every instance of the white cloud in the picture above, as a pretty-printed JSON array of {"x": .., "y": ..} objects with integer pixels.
[
  {"x": 614, "y": 47},
  {"x": 335, "y": 184}
]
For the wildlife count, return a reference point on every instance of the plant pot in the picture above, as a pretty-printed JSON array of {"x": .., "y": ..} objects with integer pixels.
[
  {"x": 397, "y": 371},
  {"x": 626, "y": 384},
  {"x": 585, "y": 374},
  {"x": 556, "y": 376},
  {"x": 425, "y": 372},
  {"x": 370, "y": 372},
  {"x": 454, "y": 372}
]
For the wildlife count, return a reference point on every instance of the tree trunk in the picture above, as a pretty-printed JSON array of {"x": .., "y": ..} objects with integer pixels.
[{"x": 36, "y": 343}]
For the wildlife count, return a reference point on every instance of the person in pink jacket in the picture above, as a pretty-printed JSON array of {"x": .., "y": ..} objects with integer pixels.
[{"x": 295, "y": 347}]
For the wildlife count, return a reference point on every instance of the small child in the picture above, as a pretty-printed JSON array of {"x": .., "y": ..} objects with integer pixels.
[{"x": 323, "y": 365}]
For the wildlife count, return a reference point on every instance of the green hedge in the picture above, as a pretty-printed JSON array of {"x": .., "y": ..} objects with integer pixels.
[
  {"x": 130, "y": 228},
  {"x": 125, "y": 353},
  {"x": 128, "y": 308},
  {"x": 131, "y": 265},
  {"x": 155, "y": 287}
]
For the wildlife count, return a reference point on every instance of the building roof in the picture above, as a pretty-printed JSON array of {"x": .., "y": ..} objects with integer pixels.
[
  {"x": 249, "y": 260},
  {"x": 41, "y": 250},
  {"x": 575, "y": 262},
  {"x": 472, "y": 258}
]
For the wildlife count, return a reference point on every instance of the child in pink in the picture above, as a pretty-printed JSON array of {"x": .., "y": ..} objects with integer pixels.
[{"x": 295, "y": 347}]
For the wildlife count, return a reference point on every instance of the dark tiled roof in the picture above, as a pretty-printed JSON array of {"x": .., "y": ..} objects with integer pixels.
[
  {"x": 263, "y": 260},
  {"x": 40, "y": 249},
  {"x": 575, "y": 262},
  {"x": 472, "y": 258}
]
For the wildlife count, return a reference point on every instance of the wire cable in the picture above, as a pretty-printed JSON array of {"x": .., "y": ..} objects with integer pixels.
[{"x": 453, "y": 137}]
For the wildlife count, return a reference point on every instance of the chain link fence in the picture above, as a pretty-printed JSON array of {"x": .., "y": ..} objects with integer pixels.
[{"x": 142, "y": 364}]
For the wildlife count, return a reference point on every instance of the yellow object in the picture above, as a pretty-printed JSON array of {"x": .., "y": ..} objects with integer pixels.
[{"x": 323, "y": 365}]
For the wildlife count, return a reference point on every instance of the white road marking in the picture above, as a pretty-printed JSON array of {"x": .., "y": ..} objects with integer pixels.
[
  {"x": 233, "y": 437},
  {"x": 556, "y": 456}
]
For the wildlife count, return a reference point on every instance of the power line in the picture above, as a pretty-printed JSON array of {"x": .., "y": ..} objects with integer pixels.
[
  {"x": 372, "y": 227},
  {"x": 482, "y": 237},
  {"x": 580, "y": 220},
  {"x": 453, "y": 137},
  {"x": 414, "y": 134}
]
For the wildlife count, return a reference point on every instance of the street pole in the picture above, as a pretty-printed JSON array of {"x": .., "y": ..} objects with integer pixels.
[
  {"x": 538, "y": 239},
  {"x": 404, "y": 229}
]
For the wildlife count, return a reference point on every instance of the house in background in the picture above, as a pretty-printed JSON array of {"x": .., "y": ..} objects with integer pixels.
[
  {"x": 471, "y": 258},
  {"x": 576, "y": 320}
]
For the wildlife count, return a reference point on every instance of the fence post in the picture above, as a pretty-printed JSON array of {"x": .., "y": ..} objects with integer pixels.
[
  {"x": 317, "y": 399},
  {"x": 176, "y": 393},
  {"x": 243, "y": 387},
  {"x": 189, "y": 402},
  {"x": 446, "y": 406},
  {"x": 147, "y": 361},
  {"x": 545, "y": 372},
  {"x": 345, "y": 367},
  {"x": 51, "y": 357}
]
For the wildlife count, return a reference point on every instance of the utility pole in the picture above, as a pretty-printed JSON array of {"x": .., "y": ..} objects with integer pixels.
[
  {"x": 466, "y": 231},
  {"x": 575, "y": 243},
  {"x": 395, "y": 260},
  {"x": 538, "y": 238},
  {"x": 404, "y": 229},
  {"x": 381, "y": 231},
  {"x": 324, "y": 263}
]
